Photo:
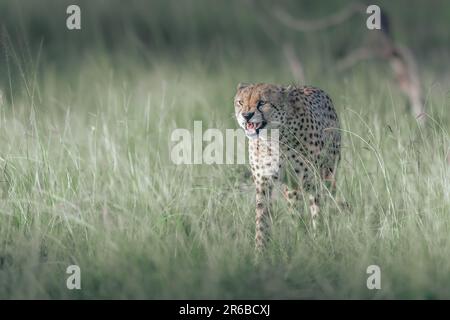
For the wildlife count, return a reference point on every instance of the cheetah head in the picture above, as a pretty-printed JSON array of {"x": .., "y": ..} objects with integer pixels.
[{"x": 258, "y": 107}]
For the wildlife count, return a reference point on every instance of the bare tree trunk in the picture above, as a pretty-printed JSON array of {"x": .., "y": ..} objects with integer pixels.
[
  {"x": 400, "y": 58},
  {"x": 294, "y": 63}
]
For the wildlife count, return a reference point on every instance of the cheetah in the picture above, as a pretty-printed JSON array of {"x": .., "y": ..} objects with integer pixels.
[{"x": 306, "y": 149}]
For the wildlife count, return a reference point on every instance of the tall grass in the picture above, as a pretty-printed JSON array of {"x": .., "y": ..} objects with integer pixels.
[{"x": 86, "y": 176}]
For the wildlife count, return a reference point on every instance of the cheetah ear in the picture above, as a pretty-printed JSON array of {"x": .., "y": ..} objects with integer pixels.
[{"x": 242, "y": 85}]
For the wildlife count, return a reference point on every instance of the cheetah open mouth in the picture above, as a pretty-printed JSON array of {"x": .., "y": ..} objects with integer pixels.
[{"x": 253, "y": 128}]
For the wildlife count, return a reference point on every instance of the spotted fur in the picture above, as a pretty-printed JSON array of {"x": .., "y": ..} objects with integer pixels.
[{"x": 307, "y": 149}]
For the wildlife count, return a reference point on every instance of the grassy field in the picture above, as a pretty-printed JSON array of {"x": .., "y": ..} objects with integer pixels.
[{"x": 86, "y": 177}]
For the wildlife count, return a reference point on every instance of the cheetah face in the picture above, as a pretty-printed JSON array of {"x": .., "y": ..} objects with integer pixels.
[{"x": 256, "y": 106}]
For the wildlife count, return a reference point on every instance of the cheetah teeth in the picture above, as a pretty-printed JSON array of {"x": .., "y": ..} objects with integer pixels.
[{"x": 253, "y": 125}]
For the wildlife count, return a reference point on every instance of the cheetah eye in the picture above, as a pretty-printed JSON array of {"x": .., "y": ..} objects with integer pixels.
[
  {"x": 260, "y": 104},
  {"x": 241, "y": 103}
]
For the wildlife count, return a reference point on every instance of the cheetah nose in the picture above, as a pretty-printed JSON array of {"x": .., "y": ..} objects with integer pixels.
[{"x": 247, "y": 115}]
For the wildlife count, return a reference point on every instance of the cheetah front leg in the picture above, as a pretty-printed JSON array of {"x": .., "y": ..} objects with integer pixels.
[
  {"x": 264, "y": 186},
  {"x": 265, "y": 165}
]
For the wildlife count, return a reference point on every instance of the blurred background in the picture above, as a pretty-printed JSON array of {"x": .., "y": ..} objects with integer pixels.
[
  {"x": 223, "y": 27},
  {"x": 245, "y": 31},
  {"x": 251, "y": 35}
]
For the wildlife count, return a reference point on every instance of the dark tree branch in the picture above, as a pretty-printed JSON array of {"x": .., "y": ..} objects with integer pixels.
[{"x": 314, "y": 25}]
